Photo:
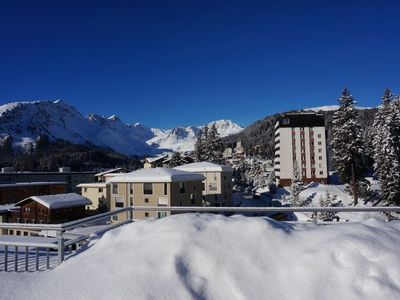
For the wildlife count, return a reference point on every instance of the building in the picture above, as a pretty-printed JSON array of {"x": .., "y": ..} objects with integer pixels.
[
  {"x": 186, "y": 159},
  {"x": 14, "y": 192},
  {"x": 72, "y": 179},
  {"x": 95, "y": 192},
  {"x": 217, "y": 183},
  {"x": 51, "y": 209},
  {"x": 102, "y": 176},
  {"x": 154, "y": 162},
  {"x": 300, "y": 139},
  {"x": 155, "y": 187}
]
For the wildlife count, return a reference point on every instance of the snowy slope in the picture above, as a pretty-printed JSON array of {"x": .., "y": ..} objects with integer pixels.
[
  {"x": 184, "y": 138},
  {"x": 214, "y": 257},
  {"x": 25, "y": 121},
  {"x": 331, "y": 108}
]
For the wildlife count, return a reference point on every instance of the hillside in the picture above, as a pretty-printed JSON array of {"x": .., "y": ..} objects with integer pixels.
[
  {"x": 208, "y": 256},
  {"x": 258, "y": 138}
]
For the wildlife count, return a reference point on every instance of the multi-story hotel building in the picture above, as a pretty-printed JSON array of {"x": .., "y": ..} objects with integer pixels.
[{"x": 300, "y": 139}]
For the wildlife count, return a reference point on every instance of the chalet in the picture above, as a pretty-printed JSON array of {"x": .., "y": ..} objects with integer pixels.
[
  {"x": 14, "y": 192},
  {"x": 50, "y": 209},
  {"x": 154, "y": 162}
]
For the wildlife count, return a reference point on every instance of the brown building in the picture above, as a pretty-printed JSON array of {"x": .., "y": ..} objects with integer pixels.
[
  {"x": 51, "y": 209},
  {"x": 14, "y": 192}
]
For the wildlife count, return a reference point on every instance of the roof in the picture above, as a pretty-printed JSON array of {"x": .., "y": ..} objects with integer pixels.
[
  {"x": 23, "y": 184},
  {"x": 58, "y": 201},
  {"x": 301, "y": 120},
  {"x": 157, "y": 175},
  {"x": 111, "y": 171},
  {"x": 204, "y": 166},
  {"x": 92, "y": 184},
  {"x": 7, "y": 208},
  {"x": 154, "y": 159}
]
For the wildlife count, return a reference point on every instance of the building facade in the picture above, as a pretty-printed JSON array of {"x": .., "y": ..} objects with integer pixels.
[
  {"x": 300, "y": 139},
  {"x": 15, "y": 192},
  {"x": 217, "y": 183},
  {"x": 155, "y": 187},
  {"x": 95, "y": 192}
]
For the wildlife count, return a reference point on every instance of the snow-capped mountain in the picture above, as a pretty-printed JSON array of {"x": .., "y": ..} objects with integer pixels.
[
  {"x": 330, "y": 108},
  {"x": 25, "y": 121},
  {"x": 184, "y": 138}
]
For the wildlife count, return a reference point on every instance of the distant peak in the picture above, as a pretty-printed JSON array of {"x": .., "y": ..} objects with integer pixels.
[
  {"x": 114, "y": 118},
  {"x": 58, "y": 101}
]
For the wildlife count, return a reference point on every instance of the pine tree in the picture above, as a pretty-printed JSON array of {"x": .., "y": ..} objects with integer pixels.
[
  {"x": 215, "y": 147},
  {"x": 176, "y": 159},
  {"x": 296, "y": 185},
  {"x": 200, "y": 144},
  {"x": 328, "y": 201},
  {"x": 347, "y": 143}
]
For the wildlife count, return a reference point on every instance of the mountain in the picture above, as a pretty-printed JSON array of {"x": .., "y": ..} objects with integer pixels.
[
  {"x": 26, "y": 121},
  {"x": 184, "y": 138}
]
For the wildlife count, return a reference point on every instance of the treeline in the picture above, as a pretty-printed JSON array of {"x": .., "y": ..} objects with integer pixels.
[{"x": 45, "y": 156}]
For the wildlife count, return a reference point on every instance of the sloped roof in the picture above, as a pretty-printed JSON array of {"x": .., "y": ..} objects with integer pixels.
[
  {"x": 112, "y": 171},
  {"x": 59, "y": 200},
  {"x": 157, "y": 175},
  {"x": 204, "y": 166},
  {"x": 154, "y": 159}
]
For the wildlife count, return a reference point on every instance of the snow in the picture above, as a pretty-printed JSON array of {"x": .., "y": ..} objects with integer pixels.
[
  {"x": 157, "y": 175},
  {"x": 204, "y": 167},
  {"x": 25, "y": 121},
  {"x": 331, "y": 108},
  {"x": 59, "y": 200},
  {"x": 207, "y": 256}
]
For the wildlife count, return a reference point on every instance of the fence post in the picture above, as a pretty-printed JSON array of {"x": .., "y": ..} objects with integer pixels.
[{"x": 60, "y": 247}]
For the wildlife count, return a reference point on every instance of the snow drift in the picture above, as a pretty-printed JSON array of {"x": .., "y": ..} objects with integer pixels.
[{"x": 209, "y": 256}]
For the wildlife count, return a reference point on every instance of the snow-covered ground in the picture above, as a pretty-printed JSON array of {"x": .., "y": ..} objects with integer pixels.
[{"x": 209, "y": 256}]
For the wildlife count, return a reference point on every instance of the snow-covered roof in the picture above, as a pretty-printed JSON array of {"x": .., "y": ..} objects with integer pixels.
[
  {"x": 157, "y": 175},
  {"x": 22, "y": 184},
  {"x": 110, "y": 171},
  {"x": 154, "y": 159},
  {"x": 59, "y": 200},
  {"x": 204, "y": 166},
  {"x": 92, "y": 184},
  {"x": 7, "y": 208}
]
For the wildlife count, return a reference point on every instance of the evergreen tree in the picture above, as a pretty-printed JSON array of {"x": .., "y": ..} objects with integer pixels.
[
  {"x": 200, "y": 144},
  {"x": 6, "y": 147},
  {"x": 328, "y": 201},
  {"x": 214, "y": 146},
  {"x": 102, "y": 207},
  {"x": 176, "y": 159},
  {"x": 347, "y": 143},
  {"x": 296, "y": 185}
]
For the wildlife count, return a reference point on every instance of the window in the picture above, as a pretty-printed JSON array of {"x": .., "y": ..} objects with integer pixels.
[
  {"x": 320, "y": 165},
  {"x": 165, "y": 189},
  {"x": 320, "y": 150},
  {"x": 162, "y": 214},
  {"x": 182, "y": 187},
  {"x": 285, "y": 121},
  {"x": 146, "y": 214},
  {"x": 100, "y": 190},
  {"x": 131, "y": 201},
  {"x": 131, "y": 188},
  {"x": 115, "y": 188},
  {"x": 204, "y": 186},
  {"x": 119, "y": 202},
  {"x": 212, "y": 186},
  {"x": 319, "y": 143},
  {"x": 321, "y": 172},
  {"x": 146, "y": 200},
  {"x": 115, "y": 218},
  {"x": 192, "y": 199},
  {"x": 85, "y": 190},
  {"x": 320, "y": 158},
  {"x": 319, "y": 135},
  {"x": 147, "y": 188}
]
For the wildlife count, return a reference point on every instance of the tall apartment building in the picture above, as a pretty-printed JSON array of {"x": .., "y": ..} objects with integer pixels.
[{"x": 300, "y": 138}]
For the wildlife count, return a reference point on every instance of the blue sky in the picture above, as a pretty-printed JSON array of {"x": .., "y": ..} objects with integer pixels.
[{"x": 170, "y": 63}]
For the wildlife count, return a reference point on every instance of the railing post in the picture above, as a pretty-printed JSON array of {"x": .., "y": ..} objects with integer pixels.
[{"x": 60, "y": 247}]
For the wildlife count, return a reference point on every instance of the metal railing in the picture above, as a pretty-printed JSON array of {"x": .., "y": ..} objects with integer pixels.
[{"x": 50, "y": 251}]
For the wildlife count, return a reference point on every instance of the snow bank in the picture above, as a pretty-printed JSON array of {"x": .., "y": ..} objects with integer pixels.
[{"x": 214, "y": 257}]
